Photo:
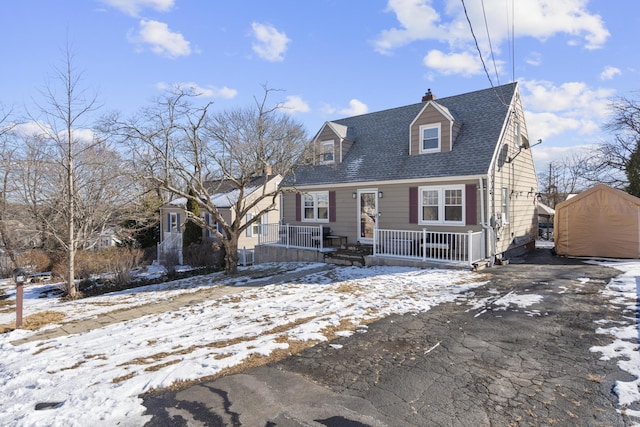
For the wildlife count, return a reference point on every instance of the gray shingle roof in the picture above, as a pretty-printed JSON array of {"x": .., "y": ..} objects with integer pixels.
[{"x": 381, "y": 148}]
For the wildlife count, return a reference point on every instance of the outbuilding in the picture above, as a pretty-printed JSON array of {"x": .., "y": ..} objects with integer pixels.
[{"x": 599, "y": 222}]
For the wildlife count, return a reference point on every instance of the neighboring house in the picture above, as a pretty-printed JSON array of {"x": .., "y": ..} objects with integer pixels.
[
  {"x": 106, "y": 239},
  {"x": 173, "y": 215},
  {"x": 413, "y": 182},
  {"x": 599, "y": 222},
  {"x": 545, "y": 221}
]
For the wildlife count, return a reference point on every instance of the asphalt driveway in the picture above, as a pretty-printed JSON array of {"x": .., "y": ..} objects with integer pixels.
[{"x": 469, "y": 363}]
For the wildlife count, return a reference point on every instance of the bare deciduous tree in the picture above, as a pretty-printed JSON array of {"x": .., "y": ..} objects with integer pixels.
[
  {"x": 570, "y": 175},
  {"x": 187, "y": 151},
  {"x": 71, "y": 176},
  {"x": 618, "y": 154}
]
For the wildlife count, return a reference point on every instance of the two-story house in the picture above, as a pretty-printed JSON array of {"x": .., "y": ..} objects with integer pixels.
[{"x": 442, "y": 179}]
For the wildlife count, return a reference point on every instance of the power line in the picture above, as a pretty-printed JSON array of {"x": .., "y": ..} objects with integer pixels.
[
  {"x": 486, "y": 25},
  {"x": 476, "y": 42},
  {"x": 484, "y": 65},
  {"x": 513, "y": 38}
]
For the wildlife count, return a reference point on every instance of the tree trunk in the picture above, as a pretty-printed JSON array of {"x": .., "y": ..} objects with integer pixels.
[{"x": 231, "y": 254}]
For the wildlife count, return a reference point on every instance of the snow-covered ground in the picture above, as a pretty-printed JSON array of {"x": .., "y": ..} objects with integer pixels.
[
  {"x": 97, "y": 376},
  {"x": 625, "y": 290}
]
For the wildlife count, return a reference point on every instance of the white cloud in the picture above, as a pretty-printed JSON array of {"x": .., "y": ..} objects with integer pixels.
[
  {"x": 197, "y": 90},
  {"x": 545, "y": 125},
  {"x": 270, "y": 44},
  {"x": 571, "y": 96},
  {"x": 609, "y": 73},
  {"x": 209, "y": 91},
  {"x": 552, "y": 110},
  {"x": 161, "y": 39},
  {"x": 464, "y": 63},
  {"x": 295, "y": 104},
  {"x": 540, "y": 19},
  {"x": 545, "y": 154},
  {"x": 133, "y": 7},
  {"x": 31, "y": 128},
  {"x": 418, "y": 21},
  {"x": 36, "y": 129},
  {"x": 356, "y": 108}
]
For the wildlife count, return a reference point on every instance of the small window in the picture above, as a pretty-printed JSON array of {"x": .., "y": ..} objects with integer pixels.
[
  {"x": 316, "y": 206},
  {"x": 505, "y": 205},
  {"x": 256, "y": 228},
  {"x": 173, "y": 222},
  {"x": 328, "y": 152},
  {"x": 430, "y": 138}
]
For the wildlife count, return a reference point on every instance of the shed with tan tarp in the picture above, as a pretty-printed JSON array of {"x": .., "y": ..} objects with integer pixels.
[{"x": 599, "y": 222}]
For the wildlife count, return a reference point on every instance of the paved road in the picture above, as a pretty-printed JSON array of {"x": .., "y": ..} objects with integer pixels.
[{"x": 452, "y": 366}]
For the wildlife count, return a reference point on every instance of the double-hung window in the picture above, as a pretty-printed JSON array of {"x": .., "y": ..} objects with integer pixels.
[
  {"x": 442, "y": 205},
  {"x": 316, "y": 206},
  {"x": 430, "y": 138},
  {"x": 328, "y": 152},
  {"x": 256, "y": 227}
]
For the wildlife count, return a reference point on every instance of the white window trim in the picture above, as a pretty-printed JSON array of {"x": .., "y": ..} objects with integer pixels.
[
  {"x": 324, "y": 145},
  {"x": 441, "y": 204},
  {"x": 505, "y": 205},
  {"x": 173, "y": 223},
  {"x": 315, "y": 218},
  {"x": 255, "y": 229},
  {"x": 421, "y": 140}
]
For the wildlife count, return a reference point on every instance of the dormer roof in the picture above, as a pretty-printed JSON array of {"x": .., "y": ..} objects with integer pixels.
[{"x": 340, "y": 130}]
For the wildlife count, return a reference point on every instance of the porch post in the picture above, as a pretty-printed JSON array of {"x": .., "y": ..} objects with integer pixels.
[
  {"x": 470, "y": 247},
  {"x": 286, "y": 236},
  {"x": 375, "y": 241},
  {"x": 423, "y": 244}
]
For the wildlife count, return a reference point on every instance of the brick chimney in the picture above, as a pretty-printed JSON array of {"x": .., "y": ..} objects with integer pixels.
[{"x": 428, "y": 96}]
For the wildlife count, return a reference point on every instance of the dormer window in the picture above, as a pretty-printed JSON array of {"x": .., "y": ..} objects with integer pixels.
[
  {"x": 430, "y": 138},
  {"x": 327, "y": 154}
]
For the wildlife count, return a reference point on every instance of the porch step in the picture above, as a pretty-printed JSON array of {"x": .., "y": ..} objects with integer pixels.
[{"x": 345, "y": 257}]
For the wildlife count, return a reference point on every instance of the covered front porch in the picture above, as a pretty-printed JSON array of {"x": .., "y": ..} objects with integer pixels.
[{"x": 278, "y": 242}]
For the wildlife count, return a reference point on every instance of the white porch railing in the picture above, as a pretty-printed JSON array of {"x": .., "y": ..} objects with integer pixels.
[
  {"x": 430, "y": 245},
  {"x": 459, "y": 248},
  {"x": 291, "y": 236}
]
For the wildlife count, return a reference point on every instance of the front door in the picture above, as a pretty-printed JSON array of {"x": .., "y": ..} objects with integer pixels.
[{"x": 367, "y": 215}]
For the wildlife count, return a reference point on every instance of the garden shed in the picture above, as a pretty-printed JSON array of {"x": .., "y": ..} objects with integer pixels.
[{"x": 599, "y": 222}]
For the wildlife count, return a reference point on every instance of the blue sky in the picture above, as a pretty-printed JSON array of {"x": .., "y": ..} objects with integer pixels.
[{"x": 335, "y": 58}]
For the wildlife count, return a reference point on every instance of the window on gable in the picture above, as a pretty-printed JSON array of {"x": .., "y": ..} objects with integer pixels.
[
  {"x": 442, "y": 205},
  {"x": 328, "y": 152},
  {"x": 430, "y": 138},
  {"x": 316, "y": 206}
]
